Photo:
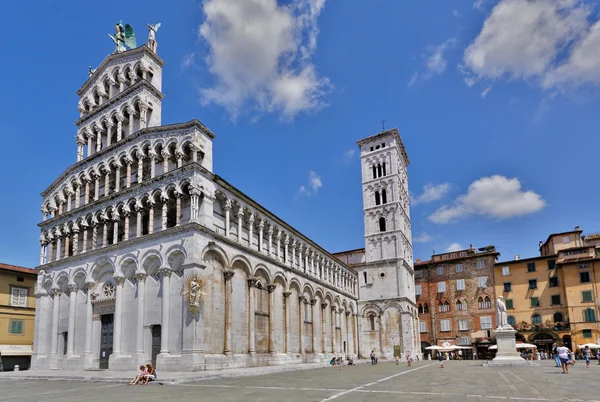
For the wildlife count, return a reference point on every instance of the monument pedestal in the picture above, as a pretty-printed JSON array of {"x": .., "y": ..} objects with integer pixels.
[{"x": 507, "y": 354}]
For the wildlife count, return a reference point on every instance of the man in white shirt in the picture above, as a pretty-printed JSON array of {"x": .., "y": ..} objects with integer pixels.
[{"x": 563, "y": 355}]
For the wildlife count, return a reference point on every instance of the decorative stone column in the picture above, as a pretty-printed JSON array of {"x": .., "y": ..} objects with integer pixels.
[
  {"x": 333, "y": 331},
  {"x": 240, "y": 215},
  {"x": 163, "y": 221},
  {"x": 131, "y": 116},
  {"x": 301, "y": 301},
  {"x": 227, "y": 275},
  {"x": 347, "y": 331},
  {"x": 115, "y": 218},
  {"x": 106, "y": 182},
  {"x": 195, "y": 194},
  {"x": 59, "y": 236},
  {"x": 151, "y": 205},
  {"x": 250, "y": 230},
  {"x": 286, "y": 304},
  {"x": 179, "y": 156},
  {"x": 90, "y": 143},
  {"x": 324, "y": 327},
  {"x": 286, "y": 255},
  {"x": 72, "y": 287},
  {"x": 104, "y": 232},
  {"x": 143, "y": 116},
  {"x": 227, "y": 208},
  {"x": 261, "y": 228},
  {"x": 271, "y": 288},
  {"x": 80, "y": 145},
  {"x": 98, "y": 139},
  {"x": 165, "y": 321},
  {"x": 86, "y": 198},
  {"x": 313, "y": 320},
  {"x": 69, "y": 199},
  {"x": 138, "y": 209},
  {"x": 178, "y": 208},
  {"x": 153, "y": 158},
  {"x": 294, "y": 245},
  {"x": 140, "y": 167},
  {"x": 84, "y": 226},
  {"x": 126, "y": 213},
  {"x": 140, "y": 277},
  {"x": 96, "y": 178},
  {"x": 120, "y": 118},
  {"x": 270, "y": 238},
  {"x": 77, "y": 193},
  {"x": 40, "y": 321},
  {"x": 306, "y": 252},
  {"x": 279, "y": 234},
  {"x": 165, "y": 156},
  {"x": 55, "y": 311},
  {"x": 128, "y": 163},
  {"x": 251, "y": 316},
  {"x": 118, "y": 322},
  {"x": 87, "y": 351}
]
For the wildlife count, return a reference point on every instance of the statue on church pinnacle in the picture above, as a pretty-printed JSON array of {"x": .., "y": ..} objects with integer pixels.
[
  {"x": 152, "y": 36},
  {"x": 124, "y": 37}
]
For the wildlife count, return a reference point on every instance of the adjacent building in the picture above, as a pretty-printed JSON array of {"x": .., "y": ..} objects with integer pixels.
[
  {"x": 455, "y": 299},
  {"x": 17, "y": 315},
  {"x": 554, "y": 297}
]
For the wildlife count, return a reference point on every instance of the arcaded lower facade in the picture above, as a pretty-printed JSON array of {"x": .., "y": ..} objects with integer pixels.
[{"x": 148, "y": 257}]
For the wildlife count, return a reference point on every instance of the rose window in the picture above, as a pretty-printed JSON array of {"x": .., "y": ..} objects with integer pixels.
[{"x": 108, "y": 290}]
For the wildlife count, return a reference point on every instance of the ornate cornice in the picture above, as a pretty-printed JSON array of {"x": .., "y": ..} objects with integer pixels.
[
  {"x": 129, "y": 55},
  {"x": 146, "y": 133},
  {"x": 127, "y": 193}
]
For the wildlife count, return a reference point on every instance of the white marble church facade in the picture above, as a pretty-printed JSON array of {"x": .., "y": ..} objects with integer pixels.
[{"x": 141, "y": 216}]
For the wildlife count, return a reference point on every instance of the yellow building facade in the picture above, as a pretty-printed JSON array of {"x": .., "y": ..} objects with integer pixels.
[
  {"x": 17, "y": 315},
  {"x": 554, "y": 297}
]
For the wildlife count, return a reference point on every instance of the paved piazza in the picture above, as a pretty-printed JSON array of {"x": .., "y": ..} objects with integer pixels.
[{"x": 425, "y": 381}]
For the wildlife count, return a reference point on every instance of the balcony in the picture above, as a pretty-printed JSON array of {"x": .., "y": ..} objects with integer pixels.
[{"x": 527, "y": 327}]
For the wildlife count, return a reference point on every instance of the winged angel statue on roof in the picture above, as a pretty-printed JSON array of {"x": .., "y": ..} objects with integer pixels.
[
  {"x": 152, "y": 36},
  {"x": 124, "y": 37}
]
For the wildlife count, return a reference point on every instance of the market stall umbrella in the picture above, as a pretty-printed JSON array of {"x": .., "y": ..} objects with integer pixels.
[
  {"x": 525, "y": 346},
  {"x": 434, "y": 347},
  {"x": 591, "y": 345}
]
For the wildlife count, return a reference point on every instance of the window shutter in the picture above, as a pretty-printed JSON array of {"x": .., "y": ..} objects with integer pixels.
[
  {"x": 505, "y": 271},
  {"x": 418, "y": 290},
  {"x": 422, "y": 326},
  {"x": 460, "y": 284},
  {"x": 18, "y": 297},
  {"x": 441, "y": 287},
  {"x": 482, "y": 281}
]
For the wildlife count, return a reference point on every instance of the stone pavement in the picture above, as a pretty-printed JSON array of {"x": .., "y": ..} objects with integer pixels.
[{"x": 424, "y": 381}]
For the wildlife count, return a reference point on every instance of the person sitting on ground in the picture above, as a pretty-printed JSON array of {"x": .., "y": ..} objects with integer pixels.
[
  {"x": 139, "y": 377},
  {"x": 151, "y": 375},
  {"x": 350, "y": 361},
  {"x": 332, "y": 361}
]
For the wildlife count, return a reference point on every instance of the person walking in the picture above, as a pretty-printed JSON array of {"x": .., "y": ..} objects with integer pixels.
[
  {"x": 563, "y": 355},
  {"x": 441, "y": 359},
  {"x": 373, "y": 357},
  {"x": 587, "y": 353},
  {"x": 555, "y": 355}
]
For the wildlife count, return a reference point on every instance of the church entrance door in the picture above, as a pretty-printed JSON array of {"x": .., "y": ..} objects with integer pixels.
[
  {"x": 106, "y": 339},
  {"x": 155, "y": 343}
]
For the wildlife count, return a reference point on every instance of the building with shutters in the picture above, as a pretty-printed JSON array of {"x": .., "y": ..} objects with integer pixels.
[
  {"x": 455, "y": 299},
  {"x": 17, "y": 314}
]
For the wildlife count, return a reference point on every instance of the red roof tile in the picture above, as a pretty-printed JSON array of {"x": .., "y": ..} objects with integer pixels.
[{"x": 14, "y": 268}]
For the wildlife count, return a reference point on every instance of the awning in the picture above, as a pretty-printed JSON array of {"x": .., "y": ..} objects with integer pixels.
[{"x": 16, "y": 350}]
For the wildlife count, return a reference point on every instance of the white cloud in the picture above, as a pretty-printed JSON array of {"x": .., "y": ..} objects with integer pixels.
[
  {"x": 435, "y": 63},
  {"x": 422, "y": 238},
  {"x": 349, "y": 154},
  {"x": 494, "y": 197},
  {"x": 261, "y": 56},
  {"x": 187, "y": 61},
  {"x": 480, "y": 4},
  {"x": 454, "y": 247},
  {"x": 485, "y": 92},
  {"x": 313, "y": 185},
  {"x": 455, "y": 13},
  {"x": 431, "y": 192},
  {"x": 551, "y": 43}
]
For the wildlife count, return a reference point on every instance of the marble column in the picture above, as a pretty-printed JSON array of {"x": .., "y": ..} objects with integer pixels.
[
  {"x": 89, "y": 309},
  {"x": 178, "y": 197},
  {"x": 324, "y": 327},
  {"x": 153, "y": 158},
  {"x": 118, "y": 321},
  {"x": 261, "y": 228},
  {"x": 313, "y": 320},
  {"x": 271, "y": 290},
  {"x": 55, "y": 310},
  {"x": 251, "y": 318},
  {"x": 250, "y": 230},
  {"x": 126, "y": 213},
  {"x": 165, "y": 321},
  {"x": 286, "y": 250},
  {"x": 333, "y": 331},
  {"x": 151, "y": 204},
  {"x": 286, "y": 302},
  {"x": 279, "y": 234},
  {"x": 270, "y": 238},
  {"x": 128, "y": 163},
  {"x": 139, "y": 330},
  {"x": 72, "y": 287},
  {"x": 240, "y": 215},
  {"x": 227, "y": 208},
  {"x": 301, "y": 302},
  {"x": 140, "y": 167},
  {"x": 227, "y": 274}
]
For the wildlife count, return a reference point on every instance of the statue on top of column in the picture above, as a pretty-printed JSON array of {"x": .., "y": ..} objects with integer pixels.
[
  {"x": 152, "y": 36},
  {"x": 124, "y": 37}
]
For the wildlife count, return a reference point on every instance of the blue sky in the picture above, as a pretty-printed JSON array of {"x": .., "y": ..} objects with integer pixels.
[{"x": 496, "y": 102}]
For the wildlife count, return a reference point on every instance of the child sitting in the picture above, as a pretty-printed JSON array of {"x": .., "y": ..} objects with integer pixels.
[{"x": 143, "y": 372}]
